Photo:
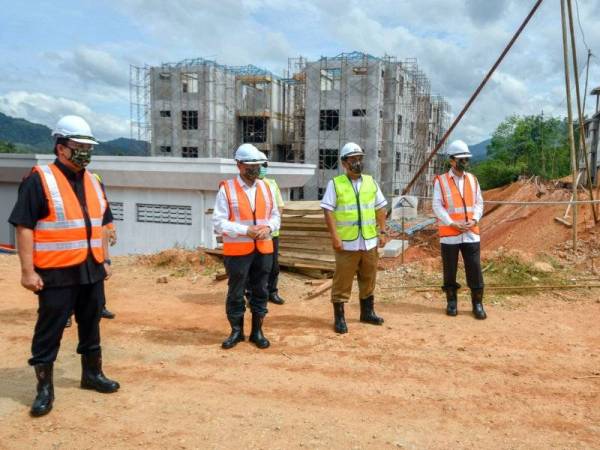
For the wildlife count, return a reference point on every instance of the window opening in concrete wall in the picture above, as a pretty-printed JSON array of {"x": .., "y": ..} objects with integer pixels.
[
  {"x": 359, "y": 113},
  {"x": 165, "y": 149},
  {"x": 254, "y": 129},
  {"x": 189, "y": 83},
  {"x": 189, "y": 120},
  {"x": 329, "y": 119},
  {"x": 320, "y": 193},
  {"x": 189, "y": 152},
  {"x": 399, "y": 130},
  {"x": 117, "y": 210},
  {"x": 173, "y": 214},
  {"x": 165, "y": 113},
  {"x": 330, "y": 79},
  {"x": 397, "y": 161},
  {"x": 328, "y": 158}
]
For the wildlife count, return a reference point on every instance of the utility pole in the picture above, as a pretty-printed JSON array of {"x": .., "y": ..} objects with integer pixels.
[
  {"x": 569, "y": 120},
  {"x": 582, "y": 143}
]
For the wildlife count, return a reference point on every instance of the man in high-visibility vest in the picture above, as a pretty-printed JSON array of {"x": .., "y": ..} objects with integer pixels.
[
  {"x": 354, "y": 209},
  {"x": 59, "y": 218},
  {"x": 458, "y": 205},
  {"x": 245, "y": 215},
  {"x": 274, "y": 275}
]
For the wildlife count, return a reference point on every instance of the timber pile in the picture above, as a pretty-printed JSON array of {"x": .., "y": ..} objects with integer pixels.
[{"x": 304, "y": 242}]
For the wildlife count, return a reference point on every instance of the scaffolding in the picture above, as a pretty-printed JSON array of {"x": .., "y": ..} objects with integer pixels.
[{"x": 198, "y": 107}]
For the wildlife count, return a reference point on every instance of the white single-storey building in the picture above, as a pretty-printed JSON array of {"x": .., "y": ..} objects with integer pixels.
[{"x": 157, "y": 202}]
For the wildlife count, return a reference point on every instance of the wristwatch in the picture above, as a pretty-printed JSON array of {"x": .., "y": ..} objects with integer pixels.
[{"x": 107, "y": 261}]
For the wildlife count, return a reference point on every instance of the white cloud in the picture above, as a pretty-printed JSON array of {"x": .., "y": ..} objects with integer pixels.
[{"x": 41, "y": 108}]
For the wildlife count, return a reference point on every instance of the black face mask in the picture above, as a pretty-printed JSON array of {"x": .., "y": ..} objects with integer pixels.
[
  {"x": 252, "y": 172},
  {"x": 356, "y": 167},
  {"x": 462, "y": 164}
]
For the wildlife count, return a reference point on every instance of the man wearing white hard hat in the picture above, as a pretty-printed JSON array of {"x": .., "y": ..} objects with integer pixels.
[
  {"x": 458, "y": 205},
  {"x": 59, "y": 216},
  {"x": 354, "y": 209},
  {"x": 245, "y": 215}
]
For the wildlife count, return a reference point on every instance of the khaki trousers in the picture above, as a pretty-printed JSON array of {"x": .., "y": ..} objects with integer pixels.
[{"x": 363, "y": 264}]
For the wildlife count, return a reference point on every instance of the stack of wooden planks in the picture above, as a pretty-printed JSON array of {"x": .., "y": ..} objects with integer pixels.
[{"x": 304, "y": 241}]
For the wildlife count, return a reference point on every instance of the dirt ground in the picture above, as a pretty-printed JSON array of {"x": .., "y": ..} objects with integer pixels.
[{"x": 528, "y": 377}]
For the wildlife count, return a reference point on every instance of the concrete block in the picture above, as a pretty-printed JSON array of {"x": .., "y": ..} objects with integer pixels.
[{"x": 394, "y": 248}]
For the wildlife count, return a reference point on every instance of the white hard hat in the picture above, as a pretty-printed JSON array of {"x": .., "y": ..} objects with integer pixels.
[
  {"x": 350, "y": 149},
  {"x": 249, "y": 154},
  {"x": 458, "y": 149},
  {"x": 75, "y": 129}
]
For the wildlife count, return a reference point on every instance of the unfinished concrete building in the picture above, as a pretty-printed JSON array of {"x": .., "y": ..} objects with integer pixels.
[
  {"x": 198, "y": 108},
  {"x": 380, "y": 103}
]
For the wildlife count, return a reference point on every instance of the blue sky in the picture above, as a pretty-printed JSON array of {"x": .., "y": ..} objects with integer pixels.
[{"x": 64, "y": 57}]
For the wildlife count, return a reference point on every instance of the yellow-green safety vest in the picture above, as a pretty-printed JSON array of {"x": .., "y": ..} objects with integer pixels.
[
  {"x": 276, "y": 196},
  {"x": 355, "y": 213}
]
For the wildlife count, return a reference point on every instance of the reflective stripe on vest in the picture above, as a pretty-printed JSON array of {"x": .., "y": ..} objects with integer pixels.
[
  {"x": 459, "y": 208},
  {"x": 241, "y": 212},
  {"x": 276, "y": 193},
  {"x": 60, "y": 239},
  {"x": 355, "y": 213}
]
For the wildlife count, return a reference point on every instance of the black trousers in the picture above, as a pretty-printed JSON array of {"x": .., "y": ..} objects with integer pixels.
[
  {"x": 471, "y": 254},
  {"x": 55, "y": 306},
  {"x": 252, "y": 270}
]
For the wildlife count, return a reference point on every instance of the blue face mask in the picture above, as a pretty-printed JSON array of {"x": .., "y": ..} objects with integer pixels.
[{"x": 262, "y": 173}]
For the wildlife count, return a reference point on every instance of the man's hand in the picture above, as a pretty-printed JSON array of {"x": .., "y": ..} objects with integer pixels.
[
  {"x": 108, "y": 270},
  {"x": 470, "y": 224},
  {"x": 336, "y": 242},
  {"x": 32, "y": 281},
  {"x": 258, "y": 231},
  {"x": 459, "y": 226},
  {"x": 112, "y": 237}
]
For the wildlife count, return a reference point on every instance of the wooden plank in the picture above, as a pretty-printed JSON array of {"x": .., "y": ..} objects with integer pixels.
[{"x": 320, "y": 289}]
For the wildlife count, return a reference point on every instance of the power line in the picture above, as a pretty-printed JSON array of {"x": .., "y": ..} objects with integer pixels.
[{"x": 580, "y": 27}]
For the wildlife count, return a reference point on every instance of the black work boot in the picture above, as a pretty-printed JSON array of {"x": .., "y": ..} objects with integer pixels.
[
  {"x": 339, "y": 318},
  {"x": 256, "y": 334},
  {"x": 367, "y": 312},
  {"x": 106, "y": 314},
  {"x": 275, "y": 298},
  {"x": 477, "y": 301},
  {"x": 42, "y": 404},
  {"x": 237, "y": 333},
  {"x": 69, "y": 322},
  {"x": 452, "y": 307},
  {"x": 92, "y": 376}
]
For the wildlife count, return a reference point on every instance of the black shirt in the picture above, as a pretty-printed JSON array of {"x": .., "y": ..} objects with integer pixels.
[{"x": 32, "y": 206}]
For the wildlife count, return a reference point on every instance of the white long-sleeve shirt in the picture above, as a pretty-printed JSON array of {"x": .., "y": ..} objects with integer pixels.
[
  {"x": 440, "y": 211},
  {"x": 221, "y": 222},
  {"x": 329, "y": 202}
]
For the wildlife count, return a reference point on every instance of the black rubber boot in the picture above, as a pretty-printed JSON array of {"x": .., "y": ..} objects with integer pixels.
[
  {"x": 452, "y": 306},
  {"x": 339, "y": 319},
  {"x": 69, "y": 322},
  {"x": 256, "y": 334},
  {"x": 275, "y": 298},
  {"x": 42, "y": 404},
  {"x": 237, "y": 333},
  {"x": 477, "y": 301},
  {"x": 92, "y": 376},
  {"x": 106, "y": 314},
  {"x": 367, "y": 312}
]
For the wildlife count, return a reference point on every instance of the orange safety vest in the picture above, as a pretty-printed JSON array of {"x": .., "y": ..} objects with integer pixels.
[
  {"x": 60, "y": 239},
  {"x": 459, "y": 208},
  {"x": 241, "y": 212}
]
